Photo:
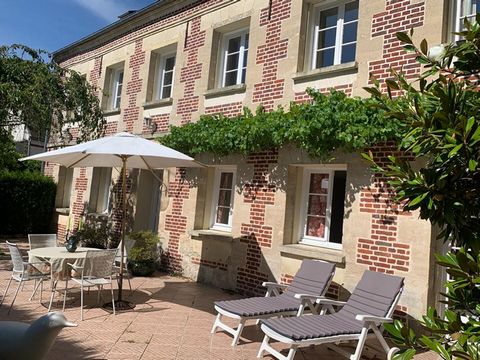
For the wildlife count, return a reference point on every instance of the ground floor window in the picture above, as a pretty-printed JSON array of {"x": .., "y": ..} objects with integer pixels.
[
  {"x": 322, "y": 207},
  {"x": 223, "y": 194},
  {"x": 100, "y": 190}
]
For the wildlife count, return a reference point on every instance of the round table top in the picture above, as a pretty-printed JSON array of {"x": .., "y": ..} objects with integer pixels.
[{"x": 59, "y": 252}]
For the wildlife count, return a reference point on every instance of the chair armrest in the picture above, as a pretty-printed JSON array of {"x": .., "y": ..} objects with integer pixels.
[
  {"x": 326, "y": 301},
  {"x": 269, "y": 284},
  {"x": 374, "y": 319},
  {"x": 75, "y": 267},
  {"x": 308, "y": 296},
  {"x": 273, "y": 288}
]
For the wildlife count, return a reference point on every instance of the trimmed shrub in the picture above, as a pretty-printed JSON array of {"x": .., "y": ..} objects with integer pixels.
[{"x": 27, "y": 201}]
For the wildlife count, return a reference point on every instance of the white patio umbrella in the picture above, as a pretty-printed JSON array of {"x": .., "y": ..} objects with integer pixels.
[{"x": 121, "y": 150}]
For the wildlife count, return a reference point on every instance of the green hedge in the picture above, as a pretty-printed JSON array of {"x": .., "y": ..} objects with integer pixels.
[{"x": 27, "y": 201}]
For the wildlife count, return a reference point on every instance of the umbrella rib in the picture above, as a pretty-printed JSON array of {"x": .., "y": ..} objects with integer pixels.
[
  {"x": 76, "y": 162},
  {"x": 151, "y": 170}
]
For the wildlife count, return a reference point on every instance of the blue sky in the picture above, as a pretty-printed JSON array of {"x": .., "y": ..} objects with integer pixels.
[{"x": 52, "y": 24}]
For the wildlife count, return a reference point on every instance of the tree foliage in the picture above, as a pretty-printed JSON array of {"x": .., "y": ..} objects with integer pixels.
[
  {"x": 326, "y": 123},
  {"x": 440, "y": 113},
  {"x": 43, "y": 96}
]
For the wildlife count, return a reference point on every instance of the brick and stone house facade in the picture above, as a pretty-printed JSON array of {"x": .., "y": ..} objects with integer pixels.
[{"x": 248, "y": 219}]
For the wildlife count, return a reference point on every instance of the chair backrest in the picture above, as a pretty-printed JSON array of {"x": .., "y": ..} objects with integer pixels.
[
  {"x": 376, "y": 294},
  {"x": 17, "y": 259},
  {"x": 42, "y": 240},
  {"x": 313, "y": 278},
  {"x": 129, "y": 244},
  {"x": 99, "y": 263}
]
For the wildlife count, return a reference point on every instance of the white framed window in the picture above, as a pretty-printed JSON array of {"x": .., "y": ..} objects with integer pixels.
[
  {"x": 165, "y": 76},
  {"x": 117, "y": 85},
  {"x": 334, "y": 34},
  {"x": 222, "y": 202},
  {"x": 234, "y": 58},
  {"x": 100, "y": 190},
  {"x": 322, "y": 207},
  {"x": 64, "y": 189},
  {"x": 463, "y": 10}
]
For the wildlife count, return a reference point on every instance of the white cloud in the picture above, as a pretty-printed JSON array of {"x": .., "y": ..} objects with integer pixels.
[{"x": 107, "y": 10}]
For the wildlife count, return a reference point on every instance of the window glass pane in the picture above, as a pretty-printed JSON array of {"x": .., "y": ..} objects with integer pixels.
[
  {"x": 348, "y": 53},
  {"x": 232, "y": 61},
  {"x": 351, "y": 11},
  {"x": 222, "y": 215},
  {"x": 244, "y": 73},
  {"x": 231, "y": 78},
  {"x": 325, "y": 58},
  {"x": 319, "y": 183},
  {"x": 247, "y": 39},
  {"x": 234, "y": 44},
  {"x": 315, "y": 226},
  {"x": 224, "y": 197},
  {"x": 328, "y": 18},
  {"x": 317, "y": 205},
  {"x": 350, "y": 33},
  {"x": 166, "y": 92},
  {"x": 167, "y": 78},
  {"x": 120, "y": 77},
  {"x": 326, "y": 38},
  {"x": 226, "y": 179},
  {"x": 170, "y": 63}
]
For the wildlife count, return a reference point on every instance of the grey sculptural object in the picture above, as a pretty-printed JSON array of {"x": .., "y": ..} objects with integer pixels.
[
  {"x": 71, "y": 243},
  {"x": 31, "y": 342}
]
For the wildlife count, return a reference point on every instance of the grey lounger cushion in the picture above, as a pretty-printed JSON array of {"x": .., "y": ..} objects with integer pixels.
[
  {"x": 312, "y": 278},
  {"x": 373, "y": 295}
]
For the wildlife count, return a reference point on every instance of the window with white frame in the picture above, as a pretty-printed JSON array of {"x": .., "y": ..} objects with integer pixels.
[
  {"x": 463, "y": 10},
  {"x": 223, "y": 193},
  {"x": 165, "y": 75},
  {"x": 322, "y": 207},
  {"x": 234, "y": 58},
  {"x": 100, "y": 190},
  {"x": 64, "y": 188},
  {"x": 334, "y": 34},
  {"x": 114, "y": 85}
]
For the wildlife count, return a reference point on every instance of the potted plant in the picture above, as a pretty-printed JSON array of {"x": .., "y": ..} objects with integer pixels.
[{"x": 143, "y": 256}]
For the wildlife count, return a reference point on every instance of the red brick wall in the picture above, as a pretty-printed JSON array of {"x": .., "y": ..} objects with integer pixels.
[
  {"x": 191, "y": 72},
  {"x": 132, "y": 112},
  {"x": 302, "y": 96},
  {"x": 78, "y": 207},
  {"x": 256, "y": 234},
  {"x": 162, "y": 121},
  {"x": 175, "y": 222},
  {"x": 232, "y": 109},
  {"x": 269, "y": 54},
  {"x": 399, "y": 15},
  {"x": 382, "y": 251}
]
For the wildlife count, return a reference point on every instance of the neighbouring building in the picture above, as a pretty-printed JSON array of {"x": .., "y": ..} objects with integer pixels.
[{"x": 248, "y": 219}]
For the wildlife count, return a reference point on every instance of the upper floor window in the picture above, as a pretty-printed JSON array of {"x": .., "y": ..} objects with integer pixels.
[
  {"x": 100, "y": 190},
  {"x": 165, "y": 73},
  {"x": 234, "y": 58},
  {"x": 334, "y": 36},
  {"x": 322, "y": 207},
  {"x": 114, "y": 85},
  {"x": 464, "y": 10},
  {"x": 223, "y": 193}
]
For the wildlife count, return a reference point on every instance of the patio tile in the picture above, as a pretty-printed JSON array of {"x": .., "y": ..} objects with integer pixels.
[{"x": 154, "y": 352}]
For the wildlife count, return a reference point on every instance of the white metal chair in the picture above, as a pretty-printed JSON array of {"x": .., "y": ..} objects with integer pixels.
[
  {"x": 42, "y": 240},
  {"x": 22, "y": 272},
  {"x": 129, "y": 244},
  {"x": 96, "y": 270}
]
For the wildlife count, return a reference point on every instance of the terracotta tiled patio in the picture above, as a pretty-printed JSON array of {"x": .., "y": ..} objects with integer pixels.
[{"x": 172, "y": 320}]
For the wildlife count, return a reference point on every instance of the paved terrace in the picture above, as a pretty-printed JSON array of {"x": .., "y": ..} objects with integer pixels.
[{"x": 172, "y": 320}]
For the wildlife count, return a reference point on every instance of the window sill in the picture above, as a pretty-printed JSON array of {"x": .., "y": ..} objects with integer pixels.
[
  {"x": 228, "y": 90},
  {"x": 111, "y": 112},
  {"x": 158, "y": 103},
  {"x": 212, "y": 235},
  {"x": 314, "y": 252},
  {"x": 94, "y": 215},
  {"x": 350, "y": 67},
  {"x": 63, "y": 211}
]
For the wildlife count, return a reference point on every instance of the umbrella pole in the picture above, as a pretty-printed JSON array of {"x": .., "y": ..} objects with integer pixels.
[
  {"x": 119, "y": 303},
  {"x": 124, "y": 224}
]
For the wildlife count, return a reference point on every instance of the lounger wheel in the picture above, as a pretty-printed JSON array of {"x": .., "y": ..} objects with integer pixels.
[{"x": 392, "y": 353}]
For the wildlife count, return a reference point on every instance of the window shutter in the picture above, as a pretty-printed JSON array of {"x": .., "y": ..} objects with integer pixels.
[{"x": 338, "y": 207}]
